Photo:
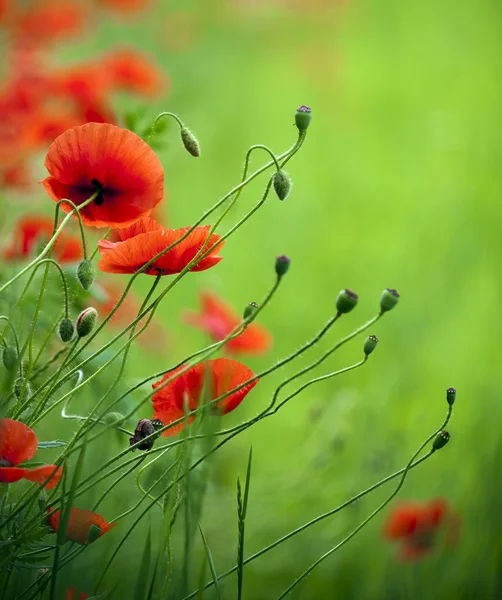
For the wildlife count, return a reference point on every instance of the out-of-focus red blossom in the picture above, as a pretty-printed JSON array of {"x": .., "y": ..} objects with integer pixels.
[
  {"x": 99, "y": 157},
  {"x": 416, "y": 526},
  {"x": 125, "y": 6},
  {"x": 79, "y": 524},
  {"x": 142, "y": 241},
  {"x": 18, "y": 443},
  {"x": 221, "y": 376},
  {"x": 219, "y": 320},
  {"x": 48, "y": 21},
  {"x": 70, "y": 594},
  {"x": 33, "y": 230},
  {"x": 131, "y": 71}
]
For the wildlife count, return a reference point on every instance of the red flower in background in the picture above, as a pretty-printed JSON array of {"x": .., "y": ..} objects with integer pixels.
[
  {"x": 219, "y": 320},
  {"x": 18, "y": 443},
  {"x": 417, "y": 524},
  {"x": 99, "y": 157},
  {"x": 47, "y": 21},
  {"x": 31, "y": 231},
  {"x": 131, "y": 71},
  {"x": 70, "y": 594},
  {"x": 143, "y": 240},
  {"x": 79, "y": 524},
  {"x": 125, "y": 6},
  {"x": 221, "y": 375}
]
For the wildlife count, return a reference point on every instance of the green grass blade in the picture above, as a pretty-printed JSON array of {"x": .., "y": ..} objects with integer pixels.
[{"x": 211, "y": 563}]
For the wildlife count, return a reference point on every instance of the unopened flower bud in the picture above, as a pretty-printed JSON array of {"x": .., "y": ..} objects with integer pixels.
[
  {"x": 66, "y": 330},
  {"x": 114, "y": 418},
  {"x": 85, "y": 273},
  {"x": 86, "y": 321},
  {"x": 303, "y": 116},
  {"x": 144, "y": 428},
  {"x": 451, "y": 395},
  {"x": 190, "y": 142},
  {"x": 22, "y": 388},
  {"x": 9, "y": 357},
  {"x": 94, "y": 532},
  {"x": 282, "y": 184},
  {"x": 442, "y": 438},
  {"x": 282, "y": 265},
  {"x": 370, "y": 344},
  {"x": 388, "y": 299},
  {"x": 346, "y": 301},
  {"x": 250, "y": 310}
]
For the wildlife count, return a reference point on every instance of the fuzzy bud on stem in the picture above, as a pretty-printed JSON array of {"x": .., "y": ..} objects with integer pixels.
[
  {"x": 440, "y": 441},
  {"x": 190, "y": 142},
  {"x": 66, "y": 330},
  {"x": 113, "y": 418},
  {"x": 388, "y": 300},
  {"x": 19, "y": 384},
  {"x": 86, "y": 321},
  {"x": 250, "y": 310},
  {"x": 303, "y": 116},
  {"x": 282, "y": 184},
  {"x": 370, "y": 344},
  {"x": 451, "y": 395},
  {"x": 346, "y": 301},
  {"x": 9, "y": 357},
  {"x": 282, "y": 265},
  {"x": 85, "y": 273}
]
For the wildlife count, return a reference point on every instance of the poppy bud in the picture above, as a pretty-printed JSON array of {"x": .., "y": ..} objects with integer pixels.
[
  {"x": 94, "y": 532},
  {"x": 190, "y": 142},
  {"x": 282, "y": 184},
  {"x": 114, "y": 418},
  {"x": 66, "y": 330},
  {"x": 144, "y": 428},
  {"x": 303, "y": 116},
  {"x": 19, "y": 384},
  {"x": 442, "y": 438},
  {"x": 370, "y": 344},
  {"x": 451, "y": 394},
  {"x": 9, "y": 357},
  {"x": 388, "y": 299},
  {"x": 250, "y": 310},
  {"x": 86, "y": 321},
  {"x": 282, "y": 265},
  {"x": 85, "y": 273},
  {"x": 346, "y": 301}
]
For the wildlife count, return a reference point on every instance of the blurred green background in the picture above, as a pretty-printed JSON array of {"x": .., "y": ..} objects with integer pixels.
[{"x": 398, "y": 185}]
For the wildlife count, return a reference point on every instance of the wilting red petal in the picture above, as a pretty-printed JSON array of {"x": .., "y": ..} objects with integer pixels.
[
  {"x": 131, "y": 254},
  {"x": 79, "y": 524},
  {"x": 131, "y": 71},
  {"x": 101, "y": 156},
  {"x": 219, "y": 320},
  {"x": 17, "y": 442},
  {"x": 37, "y": 475},
  {"x": 222, "y": 374}
]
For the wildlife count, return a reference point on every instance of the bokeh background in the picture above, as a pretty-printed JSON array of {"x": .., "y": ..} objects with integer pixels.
[{"x": 398, "y": 185}]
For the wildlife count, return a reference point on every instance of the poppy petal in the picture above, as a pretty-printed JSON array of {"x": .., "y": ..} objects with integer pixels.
[
  {"x": 17, "y": 442},
  {"x": 38, "y": 475},
  {"x": 79, "y": 524}
]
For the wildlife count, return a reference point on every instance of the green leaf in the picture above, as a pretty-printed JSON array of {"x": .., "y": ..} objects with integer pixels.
[{"x": 211, "y": 563}]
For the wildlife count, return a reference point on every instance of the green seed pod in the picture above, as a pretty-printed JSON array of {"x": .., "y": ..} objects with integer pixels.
[
  {"x": 85, "y": 273},
  {"x": 451, "y": 395},
  {"x": 388, "y": 299},
  {"x": 346, "y": 301},
  {"x": 190, "y": 142},
  {"x": 250, "y": 310},
  {"x": 282, "y": 184},
  {"x": 114, "y": 418},
  {"x": 19, "y": 384},
  {"x": 441, "y": 440},
  {"x": 86, "y": 321},
  {"x": 282, "y": 265},
  {"x": 94, "y": 532},
  {"x": 66, "y": 330},
  {"x": 303, "y": 116},
  {"x": 9, "y": 357},
  {"x": 370, "y": 344}
]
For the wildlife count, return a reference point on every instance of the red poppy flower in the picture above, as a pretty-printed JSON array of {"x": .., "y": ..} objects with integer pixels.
[
  {"x": 99, "y": 157},
  {"x": 222, "y": 375},
  {"x": 70, "y": 594},
  {"x": 416, "y": 526},
  {"x": 79, "y": 524},
  {"x": 50, "y": 20},
  {"x": 219, "y": 320},
  {"x": 140, "y": 242},
  {"x": 31, "y": 231},
  {"x": 131, "y": 71},
  {"x": 19, "y": 443}
]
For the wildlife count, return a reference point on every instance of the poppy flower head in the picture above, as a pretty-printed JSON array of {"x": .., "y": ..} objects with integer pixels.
[
  {"x": 18, "y": 443},
  {"x": 416, "y": 525},
  {"x": 141, "y": 242},
  {"x": 79, "y": 524},
  {"x": 214, "y": 377},
  {"x": 70, "y": 594},
  {"x": 131, "y": 71},
  {"x": 219, "y": 320},
  {"x": 51, "y": 20},
  {"x": 115, "y": 164}
]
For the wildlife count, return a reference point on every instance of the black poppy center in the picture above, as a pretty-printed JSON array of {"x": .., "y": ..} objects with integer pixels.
[
  {"x": 4, "y": 463},
  {"x": 98, "y": 187}
]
